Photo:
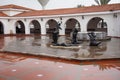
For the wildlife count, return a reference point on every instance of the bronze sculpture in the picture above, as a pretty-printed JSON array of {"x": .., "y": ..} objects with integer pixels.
[{"x": 93, "y": 41}]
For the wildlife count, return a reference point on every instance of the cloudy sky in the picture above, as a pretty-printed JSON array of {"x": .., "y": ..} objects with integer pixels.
[{"x": 52, "y": 4}]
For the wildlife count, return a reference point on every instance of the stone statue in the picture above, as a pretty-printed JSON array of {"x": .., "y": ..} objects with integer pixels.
[
  {"x": 55, "y": 33},
  {"x": 93, "y": 41},
  {"x": 74, "y": 36}
]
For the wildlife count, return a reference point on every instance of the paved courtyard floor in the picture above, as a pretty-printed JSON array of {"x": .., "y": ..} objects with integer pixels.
[
  {"x": 40, "y": 45},
  {"x": 27, "y": 67},
  {"x": 86, "y": 63}
]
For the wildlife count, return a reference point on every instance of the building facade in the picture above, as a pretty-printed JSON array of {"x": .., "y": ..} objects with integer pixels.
[{"x": 20, "y": 20}]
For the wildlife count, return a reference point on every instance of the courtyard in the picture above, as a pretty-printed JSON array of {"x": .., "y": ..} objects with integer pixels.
[
  {"x": 32, "y": 58},
  {"x": 27, "y": 51},
  {"x": 41, "y": 46}
]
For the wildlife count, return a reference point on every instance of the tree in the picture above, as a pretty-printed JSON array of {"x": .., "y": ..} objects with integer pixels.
[
  {"x": 102, "y": 2},
  {"x": 80, "y": 5}
]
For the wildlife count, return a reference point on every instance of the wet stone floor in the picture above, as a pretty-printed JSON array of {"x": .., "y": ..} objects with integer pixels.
[
  {"x": 41, "y": 45},
  {"x": 15, "y": 64},
  {"x": 27, "y": 67}
]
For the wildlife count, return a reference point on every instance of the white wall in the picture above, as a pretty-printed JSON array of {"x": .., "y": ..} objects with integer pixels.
[{"x": 112, "y": 22}]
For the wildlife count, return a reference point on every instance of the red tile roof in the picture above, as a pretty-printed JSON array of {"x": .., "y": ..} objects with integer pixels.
[
  {"x": 3, "y": 15},
  {"x": 14, "y": 7},
  {"x": 109, "y": 7}
]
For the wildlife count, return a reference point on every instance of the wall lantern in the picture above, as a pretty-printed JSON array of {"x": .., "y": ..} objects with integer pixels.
[
  {"x": 82, "y": 16},
  {"x": 8, "y": 20},
  {"x": 61, "y": 18},
  {"x": 41, "y": 19},
  {"x": 115, "y": 15},
  {"x": 25, "y": 20}
]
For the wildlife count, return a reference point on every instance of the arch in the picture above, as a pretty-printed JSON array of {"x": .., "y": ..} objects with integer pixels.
[
  {"x": 20, "y": 27},
  {"x": 50, "y": 25},
  {"x": 97, "y": 24},
  {"x": 70, "y": 24},
  {"x": 35, "y": 27},
  {"x": 1, "y": 28}
]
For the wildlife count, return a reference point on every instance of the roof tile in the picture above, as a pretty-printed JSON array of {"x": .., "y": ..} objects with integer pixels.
[
  {"x": 109, "y": 7},
  {"x": 14, "y": 7},
  {"x": 3, "y": 15}
]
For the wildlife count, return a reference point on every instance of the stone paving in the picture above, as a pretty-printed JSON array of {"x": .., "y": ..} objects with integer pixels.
[
  {"x": 17, "y": 65},
  {"x": 40, "y": 45},
  {"x": 26, "y": 67}
]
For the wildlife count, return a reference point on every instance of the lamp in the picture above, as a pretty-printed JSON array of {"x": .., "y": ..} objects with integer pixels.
[
  {"x": 61, "y": 18},
  {"x": 8, "y": 20},
  {"x": 25, "y": 20},
  {"x": 41, "y": 19},
  {"x": 82, "y": 16},
  {"x": 115, "y": 15}
]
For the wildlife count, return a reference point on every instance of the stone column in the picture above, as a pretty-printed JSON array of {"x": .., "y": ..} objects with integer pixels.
[
  {"x": 83, "y": 24},
  {"x": 43, "y": 29},
  {"x": 27, "y": 28}
]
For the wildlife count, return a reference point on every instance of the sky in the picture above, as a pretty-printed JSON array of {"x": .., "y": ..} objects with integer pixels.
[{"x": 52, "y": 4}]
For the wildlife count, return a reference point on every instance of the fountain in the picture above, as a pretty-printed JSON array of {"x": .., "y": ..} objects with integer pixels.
[
  {"x": 55, "y": 35},
  {"x": 93, "y": 41},
  {"x": 99, "y": 35}
]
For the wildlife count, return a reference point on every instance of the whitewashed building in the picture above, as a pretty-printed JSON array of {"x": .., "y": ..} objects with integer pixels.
[{"x": 20, "y": 20}]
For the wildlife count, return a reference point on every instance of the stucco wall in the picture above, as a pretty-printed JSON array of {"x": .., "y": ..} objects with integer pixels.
[{"x": 113, "y": 22}]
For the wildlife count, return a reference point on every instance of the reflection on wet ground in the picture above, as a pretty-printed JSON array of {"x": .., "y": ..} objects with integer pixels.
[
  {"x": 27, "y": 67},
  {"x": 40, "y": 45}
]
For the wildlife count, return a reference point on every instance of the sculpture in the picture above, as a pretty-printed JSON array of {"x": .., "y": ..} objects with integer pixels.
[
  {"x": 74, "y": 36},
  {"x": 93, "y": 41},
  {"x": 55, "y": 36},
  {"x": 55, "y": 33}
]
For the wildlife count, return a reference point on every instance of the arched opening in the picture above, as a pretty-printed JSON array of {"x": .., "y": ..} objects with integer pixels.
[
  {"x": 50, "y": 25},
  {"x": 97, "y": 24},
  {"x": 70, "y": 24},
  {"x": 35, "y": 27},
  {"x": 20, "y": 27},
  {"x": 1, "y": 28}
]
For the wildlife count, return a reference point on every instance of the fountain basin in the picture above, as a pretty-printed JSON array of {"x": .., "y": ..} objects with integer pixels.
[{"x": 99, "y": 36}]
